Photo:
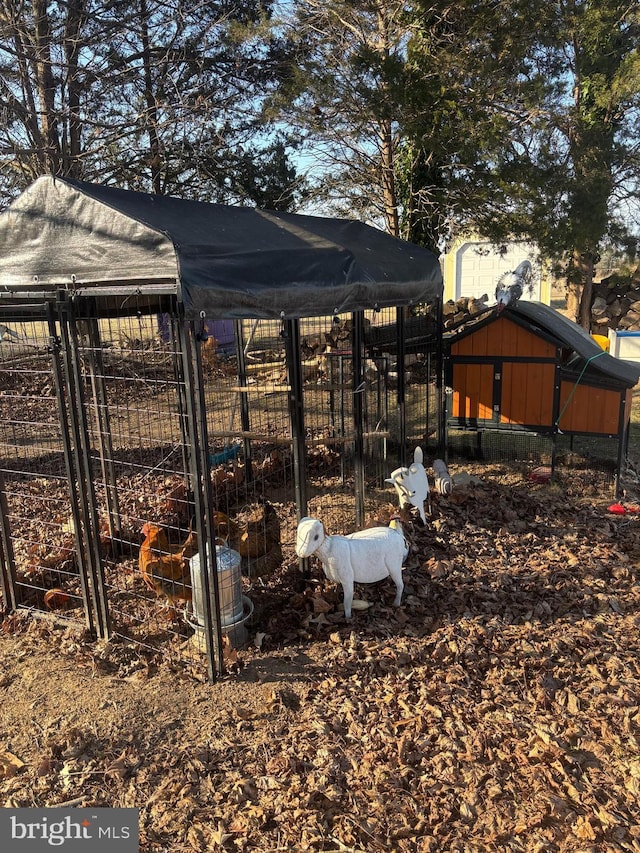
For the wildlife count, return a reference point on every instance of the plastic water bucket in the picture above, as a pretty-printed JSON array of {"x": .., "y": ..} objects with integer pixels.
[{"x": 229, "y": 588}]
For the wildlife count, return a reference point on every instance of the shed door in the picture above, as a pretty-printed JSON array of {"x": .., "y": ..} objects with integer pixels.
[
  {"x": 519, "y": 393},
  {"x": 527, "y": 393},
  {"x": 479, "y": 265},
  {"x": 474, "y": 395}
]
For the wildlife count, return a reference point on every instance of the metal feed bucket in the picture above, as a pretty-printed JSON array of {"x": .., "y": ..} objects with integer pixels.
[{"x": 233, "y": 604}]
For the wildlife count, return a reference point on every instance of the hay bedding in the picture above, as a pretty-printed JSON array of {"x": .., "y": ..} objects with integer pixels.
[{"x": 496, "y": 710}]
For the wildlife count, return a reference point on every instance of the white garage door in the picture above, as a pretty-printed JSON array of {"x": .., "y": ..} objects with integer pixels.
[{"x": 479, "y": 265}]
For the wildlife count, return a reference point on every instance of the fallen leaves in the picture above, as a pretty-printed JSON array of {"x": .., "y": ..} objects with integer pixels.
[
  {"x": 10, "y": 765},
  {"x": 496, "y": 710}
]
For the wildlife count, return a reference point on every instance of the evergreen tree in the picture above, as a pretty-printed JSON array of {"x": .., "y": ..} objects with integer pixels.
[
  {"x": 343, "y": 93},
  {"x": 517, "y": 119},
  {"x": 545, "y": 110}
]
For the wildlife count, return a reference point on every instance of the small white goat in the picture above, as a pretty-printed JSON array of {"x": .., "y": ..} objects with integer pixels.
[
  {"x": 366, "y": 556},
  {"x": 412, "y": 484}
]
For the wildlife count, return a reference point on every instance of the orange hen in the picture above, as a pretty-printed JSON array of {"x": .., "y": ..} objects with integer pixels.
[{"x": 164, "y": 571}]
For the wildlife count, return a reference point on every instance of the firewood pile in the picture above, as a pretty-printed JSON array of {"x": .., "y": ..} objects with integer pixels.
[
  {"x": 337, "y": 337},
  {"x": 467, "y": 308},
  {"x": 616, "y": 303}
]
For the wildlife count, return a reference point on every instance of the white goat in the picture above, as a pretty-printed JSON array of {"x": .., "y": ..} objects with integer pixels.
[
  {"x": 366, "y": 556},
  {"x": 412, "y": 484}
]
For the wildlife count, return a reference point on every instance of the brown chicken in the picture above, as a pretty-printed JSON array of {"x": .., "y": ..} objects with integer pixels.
[
  {"x": 166, "y": 571},
  {"x": 261, "y": 530},
  {"x": 226, "y": 530}
]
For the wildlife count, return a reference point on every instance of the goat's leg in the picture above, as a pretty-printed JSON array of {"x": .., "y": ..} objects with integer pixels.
[
  {"x": 347, "y": 591},
  {"x": 348, "y": 599},
  {"x": 397, "y": 579}
]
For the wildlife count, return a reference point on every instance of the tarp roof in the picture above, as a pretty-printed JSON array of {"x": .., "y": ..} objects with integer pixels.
[
  {"x": 579, "y": 340},
  {"x": 223, "y": 261}
]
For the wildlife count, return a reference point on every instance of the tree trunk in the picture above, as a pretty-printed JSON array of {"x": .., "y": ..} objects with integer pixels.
[
  {"x": 574, "y": 293},
  {"x": 72, "y": 150},
  {"x": 50, "y": 156},
  {"x": 388, "y": 172},
  {"x": 155, "y": 147},
  {"x": 580, "y": 288},
  {"x": 574, "y": 287},
  {"x": 387, "y": 147},
  {"x": 587, "y": 266}
]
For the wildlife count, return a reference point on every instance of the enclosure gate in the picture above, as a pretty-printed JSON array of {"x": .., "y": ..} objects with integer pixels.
[
  {"x": 59, "y": 550},
  {"x": 60, "y": 524}
]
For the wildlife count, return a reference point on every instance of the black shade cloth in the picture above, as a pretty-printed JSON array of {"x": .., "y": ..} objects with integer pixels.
[{"x": 226, "y": 262}]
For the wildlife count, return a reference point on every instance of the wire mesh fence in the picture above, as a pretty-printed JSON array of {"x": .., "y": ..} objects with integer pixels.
[
  {"x": 38, "y": 497},
  {"x": 594, "y": 459},
  {"x": 129, "y": 440},
  {"x": 132, "y": 444}
]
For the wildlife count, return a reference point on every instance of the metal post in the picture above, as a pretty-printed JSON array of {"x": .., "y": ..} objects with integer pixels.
[
  {"x": 10, "y": 594},
  {"x": 291, "y": 335},
  {"x": 179, "y": 376},
  {"x": 244, "y": 399},
  {"x": 72, "y": 478},
  {"x": 402, "y": 414},
  {"x": 623, "y": 442},
  {"x": 343, "y": 453},
  {"x": 440, "y": 385},
  {"x": 88, "y": 528},
  {"x": 556, "y": 410},
  {"x": 101, "y": 409},
  {"x": 198, "y": 460},
  {"x": 359, "y": 389}
]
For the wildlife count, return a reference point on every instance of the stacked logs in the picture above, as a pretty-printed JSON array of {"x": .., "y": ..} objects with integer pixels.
[
  {"x": 616, "y": 303},
  {"x": 466, "y": 308}
]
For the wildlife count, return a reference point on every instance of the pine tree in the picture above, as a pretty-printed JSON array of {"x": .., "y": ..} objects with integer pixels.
[{"x": 544, "y": 113}]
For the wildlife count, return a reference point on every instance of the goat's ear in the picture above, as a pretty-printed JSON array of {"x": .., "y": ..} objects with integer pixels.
[{"x": 417, "y": 455}]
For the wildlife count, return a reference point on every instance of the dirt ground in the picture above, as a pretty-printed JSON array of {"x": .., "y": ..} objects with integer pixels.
[{"x": 496, "y": 710}]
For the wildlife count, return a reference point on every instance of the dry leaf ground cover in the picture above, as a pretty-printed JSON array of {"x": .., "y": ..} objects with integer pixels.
[{"x": 496, "y": 710}]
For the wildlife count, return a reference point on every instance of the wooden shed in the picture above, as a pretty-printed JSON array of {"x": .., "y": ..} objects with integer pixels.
[{"x": 529, "y": 368}]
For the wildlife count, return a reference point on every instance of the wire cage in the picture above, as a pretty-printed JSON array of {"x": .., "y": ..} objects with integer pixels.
[
  {"x": 181, "y": 382},
  {"x": 118, "y": 426},
  {"x": 590, "y": 462}
]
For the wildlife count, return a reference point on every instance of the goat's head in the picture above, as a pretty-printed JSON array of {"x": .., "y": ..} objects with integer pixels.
[
  {"x": 397, "y": 479},
  {"x": 309, "y": 536},
  {"x": 411, "y": 483}
]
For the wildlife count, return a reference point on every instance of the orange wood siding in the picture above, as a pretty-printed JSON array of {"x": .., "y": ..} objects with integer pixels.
[
  {"x": 590, "y": 409},
  {"x": 527, "y": 394},
  {"x": 473, "y": 391},
  {"x": 503, "y": 338}
]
